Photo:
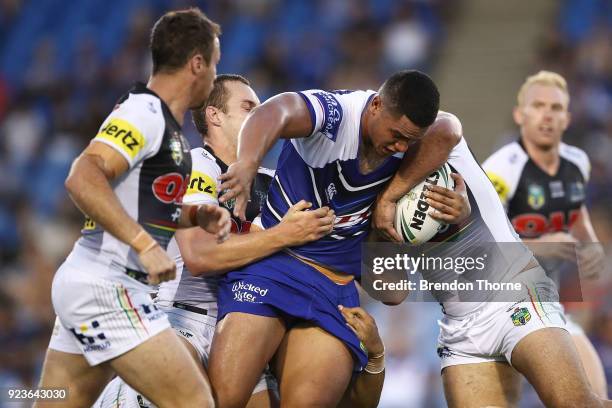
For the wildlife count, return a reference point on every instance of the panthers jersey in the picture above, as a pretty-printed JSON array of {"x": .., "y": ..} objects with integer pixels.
[
  {"x": 323, "y": 168},
  {"x": 142, "y": 129},
  {"x": 203, "y": 189},
  {"x": 538, "y": 203}
]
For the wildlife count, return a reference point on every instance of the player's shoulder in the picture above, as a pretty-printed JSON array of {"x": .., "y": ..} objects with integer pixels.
[
  {"x": 203, "y": 159},
  {"x": 332, "y": 111},
  {"x": 509, "y": 156},
  {"x": 573, "y": 154},
  {"x": 142, "y": 102},
  {"x": 577, "y": 156},
  {"x": 342, "y": 97}
]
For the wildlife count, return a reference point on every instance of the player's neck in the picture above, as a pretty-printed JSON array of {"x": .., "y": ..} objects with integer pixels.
[
  {"x": 225, "y": 151},
  {"x": 546, "y": 158},
  {"x": 175, "y": 92}
]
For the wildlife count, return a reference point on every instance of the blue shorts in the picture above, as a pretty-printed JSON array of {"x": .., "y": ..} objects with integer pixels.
[{"x": 283, "y": 286}]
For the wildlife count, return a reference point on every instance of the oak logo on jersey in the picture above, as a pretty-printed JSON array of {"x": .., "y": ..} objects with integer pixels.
[
  {"x": 535, "y": 196},
  {"x": 500, "y": 186},
  {"x": 123, "y": 135},
  {"x": 170, "y": 188},
  {"x": 201, "y": 183}
]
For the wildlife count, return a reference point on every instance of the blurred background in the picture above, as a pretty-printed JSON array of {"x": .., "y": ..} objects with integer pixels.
[{"x": 64, "y": 63}]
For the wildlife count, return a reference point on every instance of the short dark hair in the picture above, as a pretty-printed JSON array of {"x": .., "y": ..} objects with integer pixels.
[
  {"x": 218, "y": 98},
  {"x": 412, "y": 94},
  {"x": 178, "y": 35}
]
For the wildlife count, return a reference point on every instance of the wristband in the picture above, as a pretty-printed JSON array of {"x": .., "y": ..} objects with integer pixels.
[
  {"x": 376, "y": 364},
  {"x": 142, "y": 242}
]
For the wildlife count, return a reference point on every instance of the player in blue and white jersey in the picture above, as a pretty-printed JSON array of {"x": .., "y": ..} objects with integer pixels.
[
  {"x": 190, "y": 301},
  {"x": 343, "y": 147}
]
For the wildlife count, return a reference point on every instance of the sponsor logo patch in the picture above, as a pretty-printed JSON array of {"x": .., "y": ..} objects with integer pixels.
[
  {"x": 200, "y": 183},
  {"x": 332, "y": 112},
  {"x": 247, "y": 292},
  {"x": 521, "y": 316},
  {"x": 444, "y": 352},
  {"x": 500, "y": 186},
  {"x": 535, "y": 197},
  {"x": 123, "y": 135},
  {"x": 91, "y": 336}
]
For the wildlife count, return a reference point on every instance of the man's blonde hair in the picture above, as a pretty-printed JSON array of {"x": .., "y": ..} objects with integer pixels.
[{"x": 542, "y": 78}]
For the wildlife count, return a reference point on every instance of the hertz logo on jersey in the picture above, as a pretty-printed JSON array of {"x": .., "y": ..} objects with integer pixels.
[
  {"x": 122, "y": 135},
  {"x": 500, "y": 186},
  {"x": 200, "y": 183}
]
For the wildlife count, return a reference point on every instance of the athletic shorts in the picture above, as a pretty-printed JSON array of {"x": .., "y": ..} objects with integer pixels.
[
  {"x": 491, "y": 332},
  {"x": 198, "y": 328},
  {"x": 285, "y": 287},
  {"x": 99, "y": 318}
]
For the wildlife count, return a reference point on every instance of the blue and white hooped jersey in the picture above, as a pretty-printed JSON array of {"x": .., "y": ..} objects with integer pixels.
[{"x": 324, "y": 169}]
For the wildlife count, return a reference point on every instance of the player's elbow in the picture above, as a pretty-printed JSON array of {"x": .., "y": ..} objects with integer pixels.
[
  {"x": 448, "y": 127},
  {"x": 203, "y": 264},
  {"x": 73, "y": 180}
]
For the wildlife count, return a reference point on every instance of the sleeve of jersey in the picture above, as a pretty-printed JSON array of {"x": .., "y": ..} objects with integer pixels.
[
  {"x": 325, "y": 112},
  {"x": 135, "y": 135},
  {"x": 497, "y": 174},
  {"x": 203, "y": 187}
]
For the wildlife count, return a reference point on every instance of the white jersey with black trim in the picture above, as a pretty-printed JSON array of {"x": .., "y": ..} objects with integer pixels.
[
  {"x": 486, "y": 224},
  {"x": 143, "y": 130},
  {"x": 203, "y": 189}
]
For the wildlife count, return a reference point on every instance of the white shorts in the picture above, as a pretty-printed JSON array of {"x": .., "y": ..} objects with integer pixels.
[
  {"x": 198, "y": 329},
  {"x": 99, "y": 318},
  {"x": 572, "y": 327},
  {"x": 492, "y": 332}
]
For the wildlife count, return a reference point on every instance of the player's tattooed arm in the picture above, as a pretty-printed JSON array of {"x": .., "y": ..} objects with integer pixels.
[
  {"x": 203, "y": 257},
  {"x": 426, "y": 156},
  {"x": 285, "y": 115},
  {"x": 89, "y": 186},
  {"x": 365, "y": 388}
]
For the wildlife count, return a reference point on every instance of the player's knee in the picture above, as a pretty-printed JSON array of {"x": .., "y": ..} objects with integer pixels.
[
  {"x": 228, "y": 396},
  {"x": 306, "y": 396},
  {"x": 585, "y": 399}
]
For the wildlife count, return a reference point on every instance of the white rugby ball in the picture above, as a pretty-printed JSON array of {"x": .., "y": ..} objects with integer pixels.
[{"x": 412, "y": 219}]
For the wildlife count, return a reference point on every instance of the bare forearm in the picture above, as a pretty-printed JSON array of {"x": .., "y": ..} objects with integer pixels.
[
  {"x": 91, "y": 191},
  {"x": 239, "y": 250},
  {"x": 364, "y": 391},
  {"x": 583, "y": 229},
  {"x": 427, "y": 156}
]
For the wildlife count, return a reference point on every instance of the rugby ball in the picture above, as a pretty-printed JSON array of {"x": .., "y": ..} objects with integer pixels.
[{"x": 412, "y": 220}]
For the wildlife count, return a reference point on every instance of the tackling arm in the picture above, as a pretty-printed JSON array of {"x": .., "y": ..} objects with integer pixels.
[
  {"x": 284, "y": 115},
  {"x": 203, "y": 256},
  {"x": 429, "y": 154}
]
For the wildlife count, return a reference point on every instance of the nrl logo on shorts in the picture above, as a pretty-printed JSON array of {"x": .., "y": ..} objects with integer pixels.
[
  {"x": 521, "y": 316},
  {"x": 535, "y": 199},
  {"x": 444, "y": 352}
]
